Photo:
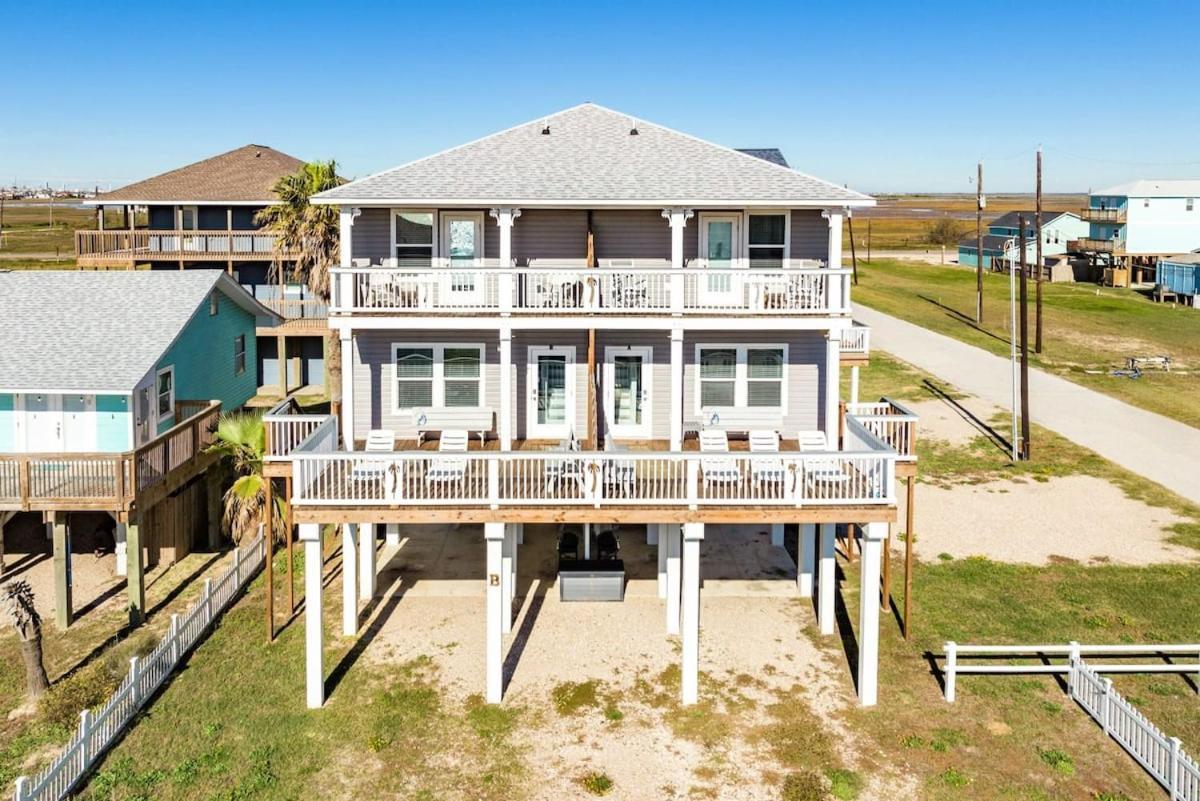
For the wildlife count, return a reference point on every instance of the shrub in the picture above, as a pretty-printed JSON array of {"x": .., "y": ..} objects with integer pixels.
[
  {"x": 845, "y": 785},
  {"x": 596, "y": 783},
  {"x": 953, "y": 777},
  {"x": 802, "y": 787}
]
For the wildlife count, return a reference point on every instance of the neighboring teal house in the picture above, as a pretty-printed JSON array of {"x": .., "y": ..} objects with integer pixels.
[
  {"x": 1001, "y": 241},
  {"x": 97, "y": 362}
]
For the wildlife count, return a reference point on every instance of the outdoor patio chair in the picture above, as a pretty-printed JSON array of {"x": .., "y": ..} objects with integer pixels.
[
  {"x": 766, "y": 471},
  {"x": 568, "y": 545},
  {"x": 379, "y": 440},
  {"x": 717, "y": 470},
  {"x": 448, "y": 470},
  {"x": 566, "y": 470},
  {"x": 819, "y": 471},
  {"x": 619, "y": 473},
  {"x": 607, "y": 546}
]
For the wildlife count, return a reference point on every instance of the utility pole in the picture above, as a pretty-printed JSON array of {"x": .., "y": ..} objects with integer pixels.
[
  {"x": 853, "y": 254},
  {"x": 1037, "y": 346},
  {"x": 980, "y": 202},
  {"x": 868, "y": 240},
  {"x": 1024, "y": 345}
]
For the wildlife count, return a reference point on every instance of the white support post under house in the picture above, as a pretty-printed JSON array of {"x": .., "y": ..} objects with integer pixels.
[
  {"x": 826, "y": 578},
  {"x": 512, "y": 584},
  {"x": 663, "y": 536},
  {"x": 493, "y": 534},
  {"x": 347, "y": 343},
  {"x": 833, "y": 293},
  {"x": 349, "y": 579},
  {"x": 833, "y": 388},
  {"x": 504, "y": 424},
  {"x": 120, "y": 549},
  {"x": 393, "y": 534},
  {"x": 677, "y": 219},
  {"x": 506, "y": 576},
  {"x": 676, "y": 368},
  {"x": 777, "y": 535},
  {"x": 674, "y": 552},
  {"x": 366, "y": 561},
  {"x": 806, "y": 550},
  {"x": 314, "y": 668},
  {"x": 504, "y": 221},
  {"x": 693, "y": 533},
  {"x": 652, "y": 533},
  {"x": 854, "y": 383},
  {"x": 871, "y": 543}
]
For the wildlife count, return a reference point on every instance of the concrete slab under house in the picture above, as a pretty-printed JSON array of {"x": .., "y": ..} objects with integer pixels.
[{"x": 601, "y": 328}]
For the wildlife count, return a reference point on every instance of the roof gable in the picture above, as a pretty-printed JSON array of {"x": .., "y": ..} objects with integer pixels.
[
  {"x": 590, "y": 156},
  {"x": 1153, "y": 187},
  {"x": 245, "y": 175},
  {"x": 85, "y": 331}
]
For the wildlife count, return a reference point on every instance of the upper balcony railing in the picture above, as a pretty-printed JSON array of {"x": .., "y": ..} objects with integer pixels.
[
  {"x": 890, "y": 421},
  {"x": 577, "y": 290},
  {"x": 145, "y": 244},
  {"x": 856, "y": 340},
  {"x": 1093, "y": 214}
]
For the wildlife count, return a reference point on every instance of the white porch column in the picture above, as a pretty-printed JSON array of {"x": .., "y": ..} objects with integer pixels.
[
  {"x": 504, "y": 424},
  {"x": 493, "y": 534},
  {"x": 674, "y": 551},
  {"x": 663, "y": 538},
  {"x": 343, "y": 289},
  {"x": 677, "y": 219},
  {"x": 833, "y": 294},
  {"x": 693, "y": 533},
  {"x": 120, "y": 548},
  {"x": 507, "y": 547},
  {"x": 504, "y": 221},
  {"x": 314, "y": 668},
  {"x": 826, "y": 579},
  {"x": 366, "y": 561},
  {"x": 833, "y": 388},
  {"x": 777, "y": 534},
  {"x": 512, "y": 585},
  {"x": 393, "y": 534},
  {"x": 807, "y": 551},
  {"x": 349, "y": 579},
  {"x": 868, "y": 613},
  {"x": 347, "y": 341},
  {"x": 853, "y": 383},
  {"x": 676, "y": 389}
]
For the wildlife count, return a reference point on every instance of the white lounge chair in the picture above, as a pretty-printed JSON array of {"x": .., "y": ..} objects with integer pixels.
[
  {"x": 379, "y": 440},
  {"x": 819, "y": 471},
  {"x": 766, "y": 471},
  {"x": 565, "y": 470},
  {"x": 449, "y": 469},
  {"x": 619, "y": 474},
  {"x": 717, "y": 470}
]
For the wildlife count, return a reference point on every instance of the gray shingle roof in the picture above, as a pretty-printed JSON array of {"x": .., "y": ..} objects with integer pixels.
[
  {"x": 590, "y": 157},
  {"x": 97, "y": 331},
  {"x": 1010, "y": 219}
]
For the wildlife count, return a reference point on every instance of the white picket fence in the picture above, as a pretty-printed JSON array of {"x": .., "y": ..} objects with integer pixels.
[
  {"x": 1163, "y": 757},
  {"x": 99, "y": 729}
]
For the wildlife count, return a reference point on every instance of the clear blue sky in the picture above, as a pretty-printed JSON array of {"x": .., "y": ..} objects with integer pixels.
[{"x": 882, "y": 96}]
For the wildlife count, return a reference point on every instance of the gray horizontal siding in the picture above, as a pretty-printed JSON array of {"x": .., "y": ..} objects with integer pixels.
[
  {"x": 810, "y": 235},
  {"x": 631, "y": 234},
  {"x": 549, "y": 234},
  {"x": 369, "y": 238}
]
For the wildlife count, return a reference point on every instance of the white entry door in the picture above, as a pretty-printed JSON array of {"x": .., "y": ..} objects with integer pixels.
[
  {"x": 627, "y": 391},
  {"x": 720, "y": 254},
  {"x": 43, "y": 424},
  {"x": 551, "y": 388},
  {"x": 462, "y": 256},
  {"x": 79, "y": 423}
]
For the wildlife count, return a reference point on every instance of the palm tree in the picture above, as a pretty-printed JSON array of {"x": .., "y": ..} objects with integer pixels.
[
  {"x": 16, "y": 601},
  {"x": 242, "y": 441},
  {"x": 307, "y": 235}
]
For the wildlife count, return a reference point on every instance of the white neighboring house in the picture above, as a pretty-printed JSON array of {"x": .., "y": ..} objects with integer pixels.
[
  {"x": 589, "y": 297},
  {"x": 1135, "y": 223}
]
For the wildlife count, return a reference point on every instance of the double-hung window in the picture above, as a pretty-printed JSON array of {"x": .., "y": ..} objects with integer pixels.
[
  {"x": 766, "y": 240},
  {"x": 239, "y": 354},
  {"x": 732, "y": 376},
  {"x": 165, "y": 388},
  {"x": 437, "y": 375},
  {"x": 414, "y": 240}
]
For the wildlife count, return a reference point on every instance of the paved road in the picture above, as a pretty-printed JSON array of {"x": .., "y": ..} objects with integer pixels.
[{"x": 1149, "y": 444}]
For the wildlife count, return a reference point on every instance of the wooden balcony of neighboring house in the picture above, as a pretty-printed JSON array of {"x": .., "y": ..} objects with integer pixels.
[
  {"x": 544, "y": 481},
  {"x": 1090, "y": 214},
  {"x": 855, "y": 345},
  {"x": 125, "y": 247},
  {"x": 1115, "y": 247},
  {"x": 113, "y": 482},
  {"x": 563, "y": 290},
  {"x": 300, "y": 315}
]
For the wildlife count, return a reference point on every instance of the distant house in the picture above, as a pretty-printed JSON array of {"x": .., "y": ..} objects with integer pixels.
[
  {"x": 1002, "y": 240},
  {"x": 203, "y": 216},
  {"x": 107, "y": 389},
  {"x": 1134, "y": 224}
]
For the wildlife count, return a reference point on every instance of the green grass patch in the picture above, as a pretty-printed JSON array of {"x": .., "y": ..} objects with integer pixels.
[
  {"x": 571, "y": 697},
  {"x": 596, "y": 783}
]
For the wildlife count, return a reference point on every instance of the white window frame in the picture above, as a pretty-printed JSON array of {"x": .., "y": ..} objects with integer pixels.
[
  {"x": 236, "y": 354},
  {"x": 737, "y": 255},
  {"x": 158, "y": 416},
  {"x": 611, "y": 352},
  {"x": 393, "y": 248},
  {"x": 741, "y": 377},
  {"x": 533, "y": 429},
  {"x": 441, "y": 219},
  {"x": 787, "y": 234},
  {"x": 439, "y": 375}
]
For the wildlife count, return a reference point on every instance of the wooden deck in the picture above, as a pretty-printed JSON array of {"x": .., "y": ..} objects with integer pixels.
[{"x": 121, "y": 248}]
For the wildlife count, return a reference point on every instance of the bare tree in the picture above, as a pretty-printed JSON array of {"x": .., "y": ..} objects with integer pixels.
[
  {"x": 944, "y": 231},
  {"x": 16, "y": 602}
]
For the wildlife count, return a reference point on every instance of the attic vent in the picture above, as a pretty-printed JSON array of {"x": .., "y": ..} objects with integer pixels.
[
  {"x": 633, "y": 131},
  {"x": 545, "y": 129}
]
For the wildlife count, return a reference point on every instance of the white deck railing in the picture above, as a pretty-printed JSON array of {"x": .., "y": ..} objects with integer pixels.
[
  {"x": 575, "y": 290},
  {"x": 286, "y": 428},
  {"x": 98, "y": 730},
  {"x": 856, "y": 339},
  {"x": 890, "y": 421}
]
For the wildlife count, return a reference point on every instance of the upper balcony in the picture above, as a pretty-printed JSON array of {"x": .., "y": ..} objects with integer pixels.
[
  {"x": 127, "y": 247},
  {"x": 1092, "y": 245},
  {"x": 1099, "y": 215},
  {"x": 563, "y": 291}
]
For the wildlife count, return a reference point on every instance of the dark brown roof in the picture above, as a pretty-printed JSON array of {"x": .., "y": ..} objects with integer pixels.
[{"x": 243, "y": 175}]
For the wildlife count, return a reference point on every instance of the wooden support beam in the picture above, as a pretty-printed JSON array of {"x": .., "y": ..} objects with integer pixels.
[
  {"x": 268, "y": 571},
  {"x": 214, "y": 505},
  {"x": 290, "y": 530},
  {"x": 908, "y": 558},
  {"x": 136, "y": 572},
  {"x": 60, "y": 533},
  {"x": 887, "y": 570}
]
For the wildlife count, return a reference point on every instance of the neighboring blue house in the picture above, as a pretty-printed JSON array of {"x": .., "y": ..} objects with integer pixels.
[
  {"x": 1000, "y": 242},
  {"x": 1180, "y": 276},
  {"x": 95, "y": 362}
]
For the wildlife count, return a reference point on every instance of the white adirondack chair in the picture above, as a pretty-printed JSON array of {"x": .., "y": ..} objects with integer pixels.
[
  {"x": 766, "y": 471},
  {"x": 717, "y": 470},
  {"x": 819, "y": 471},
  {"x": 379, "y": 440},
  {"x": 449, "y": 470}
]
